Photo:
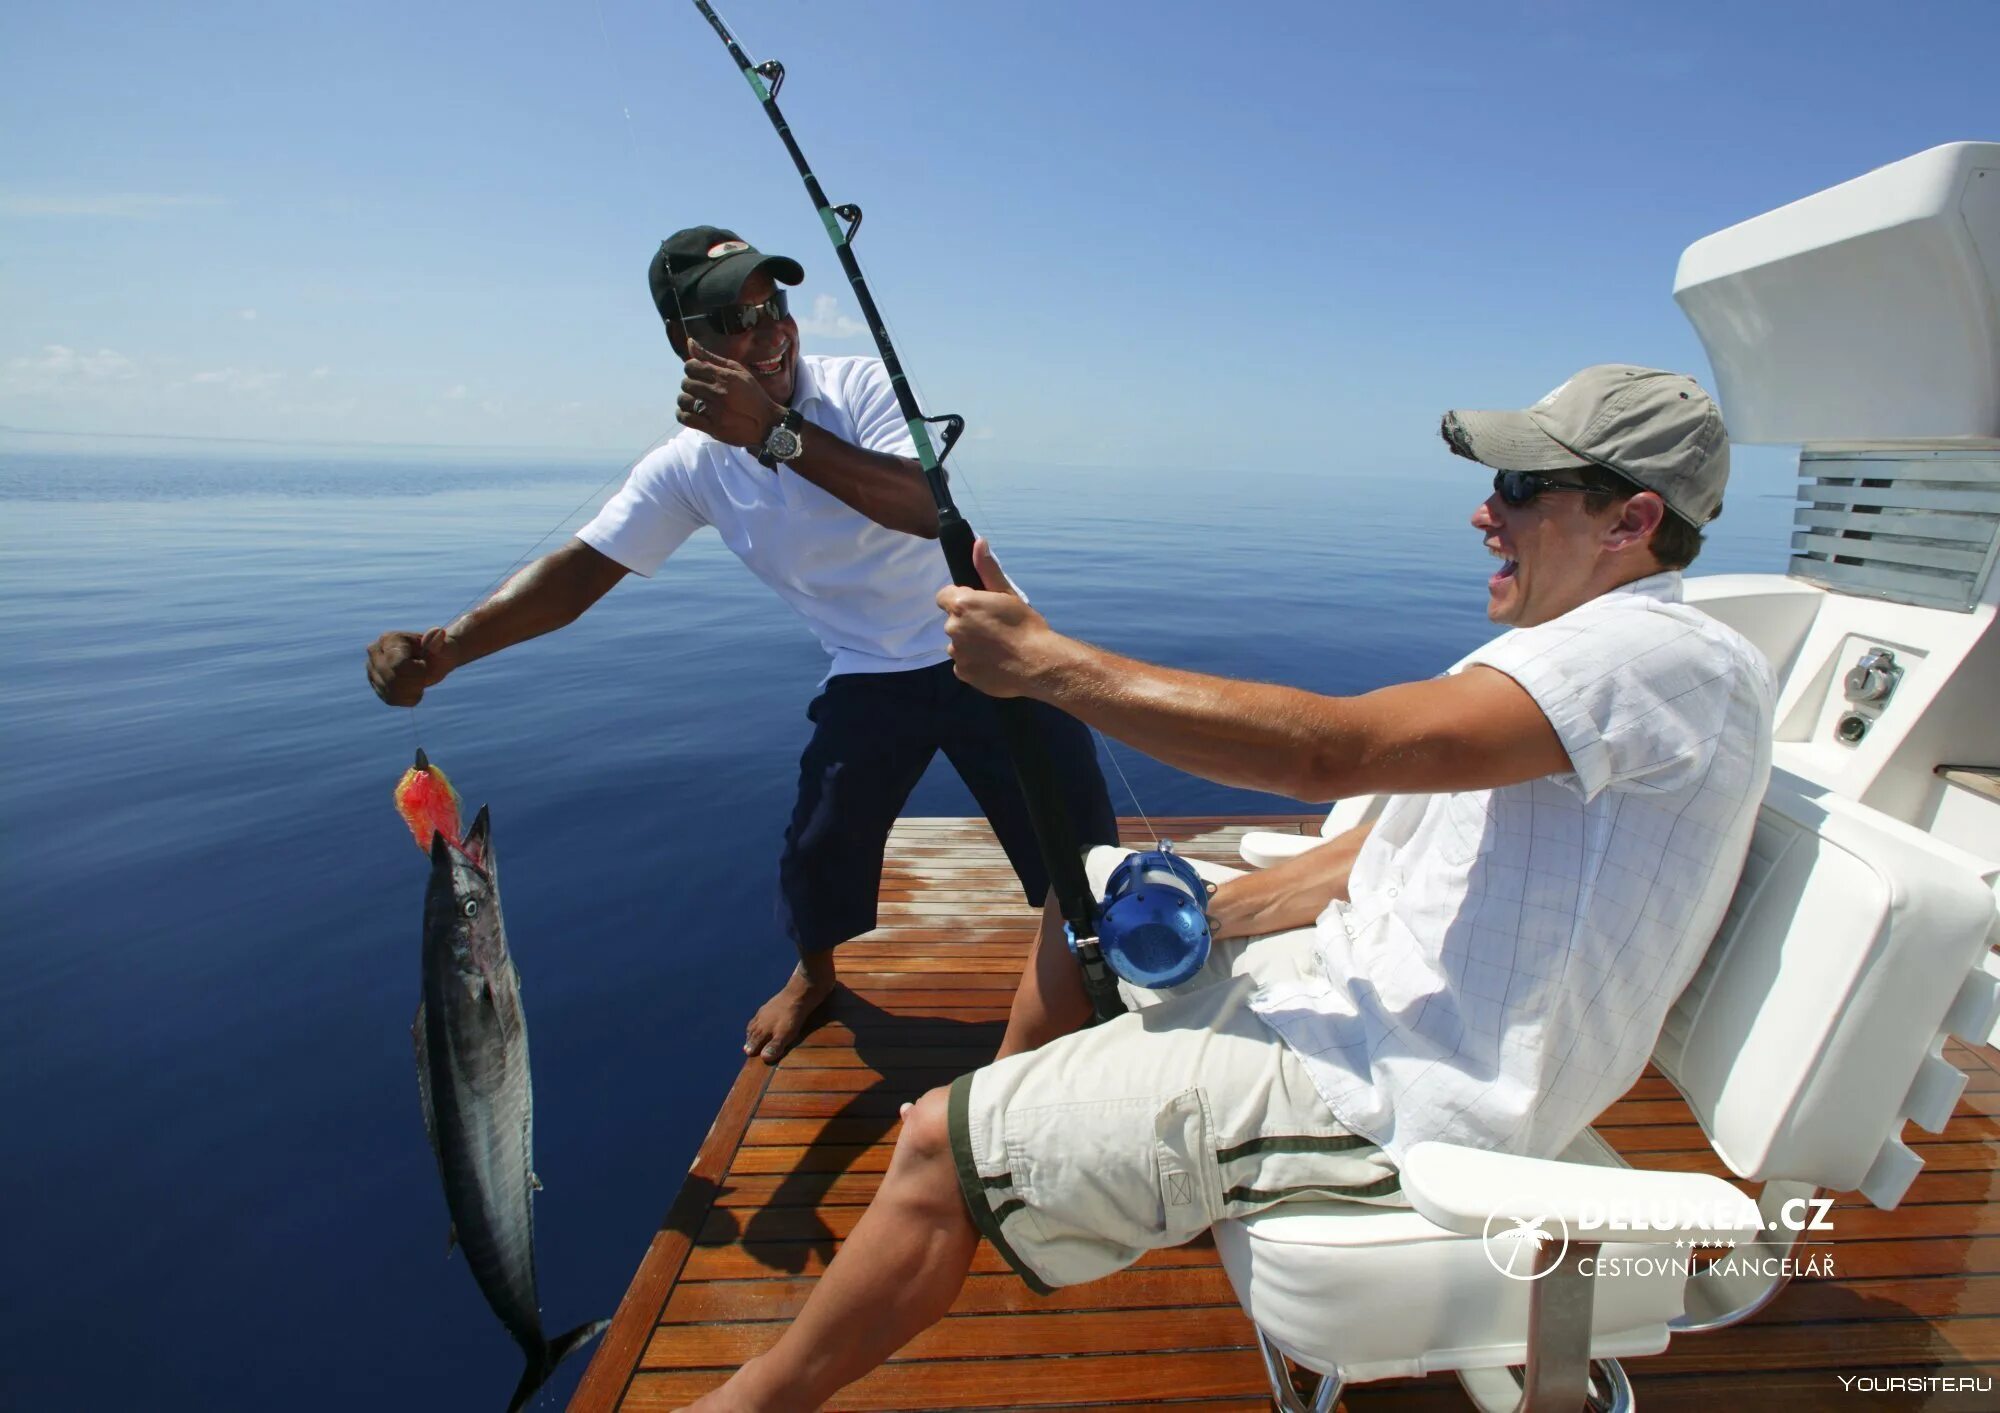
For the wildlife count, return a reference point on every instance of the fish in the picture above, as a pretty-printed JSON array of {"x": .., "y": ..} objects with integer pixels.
[{"x": 471, "y": 1043}]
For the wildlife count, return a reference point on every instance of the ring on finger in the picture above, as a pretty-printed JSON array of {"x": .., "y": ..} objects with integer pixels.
[{"x": 698, "y": 406}]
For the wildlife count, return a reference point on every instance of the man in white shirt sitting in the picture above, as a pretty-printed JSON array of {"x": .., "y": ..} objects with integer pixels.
[
  {"x": 805, "y": 468},
  {"x": 1490, "y": 963}
]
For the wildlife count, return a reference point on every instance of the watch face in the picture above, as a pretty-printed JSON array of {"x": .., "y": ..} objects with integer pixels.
[{"x": 783, "y": 444}]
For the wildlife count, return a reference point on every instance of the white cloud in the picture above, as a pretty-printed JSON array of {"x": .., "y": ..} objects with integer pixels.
[
  {"x": 457, "y": 393},
  {"x": 247, "y": 315},
  {"x": 58, "y": 367},
  {"x": 320, "y": 372},
  {"x": 120, "y": 206},
  {"x": 827, "y": 322},
  {"x": 239, "y": 379}
]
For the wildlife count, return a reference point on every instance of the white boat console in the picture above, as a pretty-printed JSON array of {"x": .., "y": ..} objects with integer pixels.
[{"x": 1863, "y": 324}]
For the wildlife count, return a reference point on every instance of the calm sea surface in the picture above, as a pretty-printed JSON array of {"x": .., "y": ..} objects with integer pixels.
[{"x": 218, "y": 1193}]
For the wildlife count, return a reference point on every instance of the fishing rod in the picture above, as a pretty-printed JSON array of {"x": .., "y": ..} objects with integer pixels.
[{"x": 1055, "y": 835}]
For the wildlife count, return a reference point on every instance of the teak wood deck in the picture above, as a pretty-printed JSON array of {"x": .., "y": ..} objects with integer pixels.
[{"x": 797, "y": 1150}]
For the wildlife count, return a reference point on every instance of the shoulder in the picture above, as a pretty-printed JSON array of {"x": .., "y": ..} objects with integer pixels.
[
  {"x": 676, "y": 459},
  {"x": 1642, "y": 689},
  {"x": 847, "y": 378}
]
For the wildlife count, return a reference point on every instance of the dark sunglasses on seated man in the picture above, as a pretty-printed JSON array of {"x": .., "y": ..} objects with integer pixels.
[
  {"x": 1518, "y": 488},
  {"x": 737, "y": 318}
]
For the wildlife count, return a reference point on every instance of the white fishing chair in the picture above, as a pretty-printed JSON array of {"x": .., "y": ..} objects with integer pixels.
[{"x": 1814, "y": 1028}]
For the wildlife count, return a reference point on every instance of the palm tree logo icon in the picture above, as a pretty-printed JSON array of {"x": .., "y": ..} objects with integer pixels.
[{"x": 1513, "y": 1242}]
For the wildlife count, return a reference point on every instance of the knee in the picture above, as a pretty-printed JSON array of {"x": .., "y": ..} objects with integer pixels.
[{"x": 926, "y": 1135}]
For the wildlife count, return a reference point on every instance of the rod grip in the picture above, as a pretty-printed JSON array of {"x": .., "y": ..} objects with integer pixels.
[{"x": 1047, "y": 811}]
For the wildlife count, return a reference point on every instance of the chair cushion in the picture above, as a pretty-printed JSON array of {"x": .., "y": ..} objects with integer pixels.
[{"x": 1379, "y": 1292}]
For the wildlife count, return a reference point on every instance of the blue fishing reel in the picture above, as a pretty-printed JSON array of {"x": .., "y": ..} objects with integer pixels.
[{"x": 1153, "y": 925}]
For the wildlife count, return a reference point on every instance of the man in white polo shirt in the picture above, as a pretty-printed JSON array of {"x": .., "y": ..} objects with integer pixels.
[
  {"x": 805, "y": 468},
  {"x": 1489, "y": 964}
]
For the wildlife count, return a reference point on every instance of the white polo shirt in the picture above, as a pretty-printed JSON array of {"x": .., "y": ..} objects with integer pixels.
[
  {"x": 869, "y": 592},
  {"x": 1508, "y": 956}
]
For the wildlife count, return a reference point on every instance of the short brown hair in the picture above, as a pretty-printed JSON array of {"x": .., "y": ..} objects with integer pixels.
[{"x": 1675, "y": 541}]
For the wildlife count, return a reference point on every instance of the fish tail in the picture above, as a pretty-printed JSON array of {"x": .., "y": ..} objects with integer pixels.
[{"x": 557, "y": 1350}]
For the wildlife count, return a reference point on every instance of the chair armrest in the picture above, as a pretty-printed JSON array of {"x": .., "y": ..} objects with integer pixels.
[
  {"x": 1261, "y": 848},
  {"x": 1471, "y": 1190}
]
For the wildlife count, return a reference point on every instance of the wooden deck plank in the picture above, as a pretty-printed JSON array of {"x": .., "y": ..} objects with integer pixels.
[{"x": 798, "y": 1151}]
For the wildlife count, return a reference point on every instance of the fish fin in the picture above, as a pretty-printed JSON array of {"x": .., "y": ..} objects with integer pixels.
[
  {"x": 450, "y": 1240},
  {"x": 553, "y": 1353},
  {"x": 420, "y": 1043}
]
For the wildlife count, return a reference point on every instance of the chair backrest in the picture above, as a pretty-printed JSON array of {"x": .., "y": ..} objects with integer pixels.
[{"x": 1815, "y": 1024}]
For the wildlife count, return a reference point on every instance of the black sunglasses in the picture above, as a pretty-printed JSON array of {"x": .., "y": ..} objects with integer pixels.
[
  {"x": 738, "y": 318},
  {"x": 1518, "y": 488}
]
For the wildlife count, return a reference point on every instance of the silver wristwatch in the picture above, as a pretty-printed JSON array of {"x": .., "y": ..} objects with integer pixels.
[{"x": 783, "y": 442}]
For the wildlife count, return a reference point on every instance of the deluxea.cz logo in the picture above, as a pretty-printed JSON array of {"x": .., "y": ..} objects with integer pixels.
[{"x": 1527, "y": 1245}]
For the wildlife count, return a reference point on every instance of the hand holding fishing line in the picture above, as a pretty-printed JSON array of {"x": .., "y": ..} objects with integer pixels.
[
  {"x": 401, "y": 666},
  {"x": 723, "y": 398}
]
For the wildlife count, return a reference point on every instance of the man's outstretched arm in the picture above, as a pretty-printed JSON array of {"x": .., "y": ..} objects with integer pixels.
[
  {"x": 550, "y": 593},
  {"x": 1476, "y": 729}
]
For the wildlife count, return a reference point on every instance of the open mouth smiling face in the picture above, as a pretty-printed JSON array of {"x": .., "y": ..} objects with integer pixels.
[
  {"x": 774, "y": 366},
  {"x": 770, "y": 350},
  {"x": 1546, "y": 550}
]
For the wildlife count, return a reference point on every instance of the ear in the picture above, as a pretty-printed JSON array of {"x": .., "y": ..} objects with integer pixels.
[{"x": 1636, "y": 518}]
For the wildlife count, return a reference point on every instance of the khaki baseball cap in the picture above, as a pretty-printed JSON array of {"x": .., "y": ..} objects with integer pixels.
[{"x": 1658, "y": 430}]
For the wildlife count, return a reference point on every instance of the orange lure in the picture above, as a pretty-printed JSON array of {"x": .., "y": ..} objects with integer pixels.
[{"x": 427, "y": 803}]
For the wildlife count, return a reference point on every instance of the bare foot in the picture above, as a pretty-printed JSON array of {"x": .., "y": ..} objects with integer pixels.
[{"x": 781, "y": 1020}]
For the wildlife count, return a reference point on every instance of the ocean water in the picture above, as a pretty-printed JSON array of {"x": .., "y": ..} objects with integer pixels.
[{"x": 218, "y": 1192}]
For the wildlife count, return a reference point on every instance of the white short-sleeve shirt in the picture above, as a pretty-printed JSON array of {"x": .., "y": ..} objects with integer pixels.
[
  {"x": 869, "y": 592},
  {"x": 1507, "y": 957}
]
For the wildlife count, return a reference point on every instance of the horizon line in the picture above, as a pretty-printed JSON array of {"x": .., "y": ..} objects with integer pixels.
[{"x": 6, "y": 428}]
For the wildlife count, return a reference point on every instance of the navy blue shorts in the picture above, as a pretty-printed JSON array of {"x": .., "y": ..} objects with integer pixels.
[{"x": 874, "y": 733}]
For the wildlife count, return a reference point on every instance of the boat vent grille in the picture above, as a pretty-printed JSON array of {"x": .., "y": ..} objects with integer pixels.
[{"x": 1916, "y": 528}]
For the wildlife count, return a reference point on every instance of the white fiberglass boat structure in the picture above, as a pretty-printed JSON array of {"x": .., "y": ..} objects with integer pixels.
[{"x": 1863, "y": 325}]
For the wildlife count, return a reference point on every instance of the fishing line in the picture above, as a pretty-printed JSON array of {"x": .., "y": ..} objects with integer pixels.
[
  {"x": 625, "y": 469},
  {"x": 1138, "y": 809}
]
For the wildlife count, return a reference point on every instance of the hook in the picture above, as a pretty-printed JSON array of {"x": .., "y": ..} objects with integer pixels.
[{"x": 774, "y": 74}]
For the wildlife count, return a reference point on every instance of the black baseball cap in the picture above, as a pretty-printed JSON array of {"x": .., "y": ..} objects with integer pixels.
[{"x": 705, "y": 267}]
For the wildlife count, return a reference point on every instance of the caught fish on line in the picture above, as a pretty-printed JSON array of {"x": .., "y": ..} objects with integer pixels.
[{"x": 471, "y": 1042}]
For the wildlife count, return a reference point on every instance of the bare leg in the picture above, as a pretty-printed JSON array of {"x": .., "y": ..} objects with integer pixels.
[
  {"x": 894, "y": 1277},
  {"x": 1050, "y": 1000},
  {"x": 781, "y": 1020}
]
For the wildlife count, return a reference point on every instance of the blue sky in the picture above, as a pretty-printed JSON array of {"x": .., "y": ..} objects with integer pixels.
[{"x": 1175, "y": 234}]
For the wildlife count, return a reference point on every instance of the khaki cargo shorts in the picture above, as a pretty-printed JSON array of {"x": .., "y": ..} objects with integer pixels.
[{"x": 1078, "y": 1158}]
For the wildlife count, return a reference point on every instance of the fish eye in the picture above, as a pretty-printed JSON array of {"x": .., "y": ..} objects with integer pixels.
[{"x": 471, "y": 908}]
